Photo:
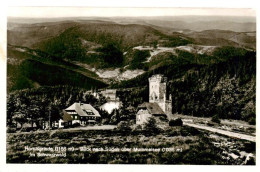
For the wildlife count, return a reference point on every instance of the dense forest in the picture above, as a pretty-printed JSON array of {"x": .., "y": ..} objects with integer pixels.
[{"x": 226, "y": 88}]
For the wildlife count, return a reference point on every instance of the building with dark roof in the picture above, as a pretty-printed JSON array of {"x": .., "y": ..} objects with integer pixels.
[
  {"x": 160, "y": 102},
  {"x": 147, "y": 110},
  {"x": 81, "y": 113}
]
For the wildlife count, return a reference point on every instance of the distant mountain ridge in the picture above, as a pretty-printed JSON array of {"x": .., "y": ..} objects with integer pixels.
[
  {"x": 196, "y": 23},
  {"x": 90, "y": 48}
]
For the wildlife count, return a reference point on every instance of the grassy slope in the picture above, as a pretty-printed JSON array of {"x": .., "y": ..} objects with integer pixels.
[
  {"x": 191, "y": 144},
  {"x": 30, "y": 70},
  {"x": 188, "y": 146}
]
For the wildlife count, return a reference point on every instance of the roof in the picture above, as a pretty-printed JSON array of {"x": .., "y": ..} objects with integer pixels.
[
  {"x": 157, "y": 77},
  {"x": 80, "y": 108},
  {"x": 66, "y": 116},
  {"x": 153, "y": 108}
]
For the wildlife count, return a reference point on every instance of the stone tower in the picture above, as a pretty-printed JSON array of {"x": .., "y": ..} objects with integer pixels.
[{"x": 158, "y": 93}]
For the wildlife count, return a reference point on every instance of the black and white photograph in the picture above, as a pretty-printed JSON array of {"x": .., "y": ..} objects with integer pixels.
[{"x": 127, "y": 85}]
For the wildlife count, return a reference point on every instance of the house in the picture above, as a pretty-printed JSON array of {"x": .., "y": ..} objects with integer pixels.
[
  {"x": 160, "y": 102},
  {"x": 83, "y": 114},
  {"x": 110, "y": 94},
  {"x": 147, "y": 110}
]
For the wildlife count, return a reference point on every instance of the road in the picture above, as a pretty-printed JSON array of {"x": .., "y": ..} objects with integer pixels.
[{"x": 223, "y": 132}]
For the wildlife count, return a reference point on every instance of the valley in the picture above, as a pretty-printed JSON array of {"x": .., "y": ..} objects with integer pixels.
[
  {"x": 209, "y": 72},
  {"x": 86, "y": 43}
]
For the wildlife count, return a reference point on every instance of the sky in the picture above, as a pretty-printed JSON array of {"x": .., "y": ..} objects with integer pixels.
[{"x": 131, "y": 12}]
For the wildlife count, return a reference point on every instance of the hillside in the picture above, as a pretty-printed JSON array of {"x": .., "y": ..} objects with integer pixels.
[
  {"x": 225, "y": 38},
  {"x": 90, "y": 48},
  {"x": 97, "y": 43},
  {"x": 93, "y": 41},
  {"x": 28, "y": 68},
  {"x": 225, "y": 86},
  {"x": 26, "y": 35}
]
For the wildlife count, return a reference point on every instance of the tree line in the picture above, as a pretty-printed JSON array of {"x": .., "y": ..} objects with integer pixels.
[{"x": 45, "y": 103}]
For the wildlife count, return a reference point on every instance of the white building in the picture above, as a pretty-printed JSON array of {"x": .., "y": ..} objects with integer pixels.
[
  {"x": 81, "y": 113},
  {"x": 160, "y": 102},
  {"x": 158, "y": 93}
]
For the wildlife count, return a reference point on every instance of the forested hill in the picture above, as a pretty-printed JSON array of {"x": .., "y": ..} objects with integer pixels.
[
  {"x": 226, "y": 88},
  {"x": 210, "y": 72},
  {"x": 89, "y": 41},
  {"x": 95, "y": 53},
  {"x": 28, "y": 68},
  {"x": 70, "y": 52}
]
